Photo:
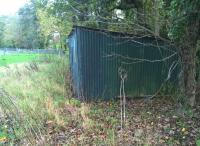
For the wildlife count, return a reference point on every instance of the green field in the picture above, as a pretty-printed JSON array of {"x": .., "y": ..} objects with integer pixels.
[{"x": 17, "y": 58}]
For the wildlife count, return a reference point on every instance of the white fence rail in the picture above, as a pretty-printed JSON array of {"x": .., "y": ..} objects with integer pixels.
[{"x": 6, "y": 51}]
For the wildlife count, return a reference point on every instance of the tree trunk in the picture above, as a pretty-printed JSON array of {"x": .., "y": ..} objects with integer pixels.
[
  {"x": 198, "y": 72},
  {"x": 189, "y": 73},
  {"x": 198, "y": 94},
  {"x": 156, "y": 18}
]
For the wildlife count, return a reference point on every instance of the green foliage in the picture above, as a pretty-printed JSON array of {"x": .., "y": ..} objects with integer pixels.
[
  {"x": 198, "y": 142},
  {"x": 51, "y": 25},
  {"x": 59, "y": 68},
  {"x": 40, "y": 20},
  {"x": 168, "y": 89},
  {"x": 21, "y": 30},
  {"x": 29, "y": 29},
  {"x": 75, "y": 102},
  {"x": 2, "y": 25},
  {"x": 10, "y": 34},
  {"x": 183, "y": 14},
  {"x": 178, "y": 26}
]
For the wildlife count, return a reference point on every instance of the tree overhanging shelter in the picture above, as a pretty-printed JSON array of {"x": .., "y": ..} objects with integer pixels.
[{"x": 96, "y": 56}]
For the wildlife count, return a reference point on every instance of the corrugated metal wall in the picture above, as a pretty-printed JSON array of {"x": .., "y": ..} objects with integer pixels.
[
  {"x": 74, "y": 63},
  {"x": 96, "y": 56}
]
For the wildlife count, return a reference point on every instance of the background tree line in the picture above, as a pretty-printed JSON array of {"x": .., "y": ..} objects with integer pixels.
[
  {"x": 32, "y": 28},
  {"x": 46, "y": 23}
]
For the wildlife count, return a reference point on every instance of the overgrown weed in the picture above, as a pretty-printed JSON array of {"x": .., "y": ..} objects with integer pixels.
[
  {"x": 37, "y": 91},
  {"x": 39, "y": 109}
]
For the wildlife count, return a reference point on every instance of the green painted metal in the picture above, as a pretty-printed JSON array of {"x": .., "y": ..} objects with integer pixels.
[{"x": 97, "y": 55}]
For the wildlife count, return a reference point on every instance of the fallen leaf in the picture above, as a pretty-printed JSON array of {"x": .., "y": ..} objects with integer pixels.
[
  {"x": 183, "y": 129},
  {"x": 3, "y": 139}
]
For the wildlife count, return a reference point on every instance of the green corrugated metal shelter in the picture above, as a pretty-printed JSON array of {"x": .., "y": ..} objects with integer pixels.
[{"x": 97, "y": 55}]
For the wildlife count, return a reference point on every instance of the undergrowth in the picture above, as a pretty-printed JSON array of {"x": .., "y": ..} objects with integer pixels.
[
  {"x": 37, "y": 108},
  {"x": 31, "y": 96}
]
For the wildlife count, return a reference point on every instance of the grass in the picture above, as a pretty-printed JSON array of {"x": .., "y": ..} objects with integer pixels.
[
  {"x": 17, "y": 58},
  {"x": 198, "y": 142},
  {"x": 38, "y": 109},
  {"x": 39, "y": 96}
]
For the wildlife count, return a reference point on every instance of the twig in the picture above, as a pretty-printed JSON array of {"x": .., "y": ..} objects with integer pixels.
[{"x": 123, "y": 75}]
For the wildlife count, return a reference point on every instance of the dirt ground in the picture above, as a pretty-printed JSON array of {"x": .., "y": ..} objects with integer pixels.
[{"x": 155, "y": 122}]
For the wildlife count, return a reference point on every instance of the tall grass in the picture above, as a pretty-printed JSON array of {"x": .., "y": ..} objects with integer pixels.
[
  {"x": 37, "y": 105},
  {"x": 36, "y": 109},
  {"x": 32, "y": 96}
]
